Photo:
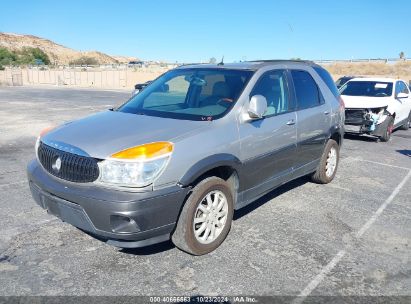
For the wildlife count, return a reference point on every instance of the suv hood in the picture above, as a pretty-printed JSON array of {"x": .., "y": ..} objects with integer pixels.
[
  {"x": 364, "y": 102},
  {"x": 103, "y": 134}
]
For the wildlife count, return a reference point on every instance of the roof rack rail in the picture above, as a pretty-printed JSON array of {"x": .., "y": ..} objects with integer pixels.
[{"x": 193, "y": 63}]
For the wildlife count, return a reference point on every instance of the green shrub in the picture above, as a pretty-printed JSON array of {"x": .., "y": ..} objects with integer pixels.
[
  {"x": 7, "y": 57},
  {"x": 27, "y": 55},
  {"x": 39, "y": 54}
]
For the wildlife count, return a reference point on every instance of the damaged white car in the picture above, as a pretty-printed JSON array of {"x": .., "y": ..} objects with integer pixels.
[{"x": 376, "y": 106}]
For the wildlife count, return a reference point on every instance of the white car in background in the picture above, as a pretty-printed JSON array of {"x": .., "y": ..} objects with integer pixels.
[{"x": 376, "y": 106}]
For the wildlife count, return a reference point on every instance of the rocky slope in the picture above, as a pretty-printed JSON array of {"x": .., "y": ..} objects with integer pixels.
[{"x": 57, "y": 53}]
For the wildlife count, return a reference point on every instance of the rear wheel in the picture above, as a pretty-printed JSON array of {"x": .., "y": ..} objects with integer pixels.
[
  {"x": 390, "y": 127},
  {"x": 328, "y": 164},
  {"x": 206, "y": 217},
  {"x": 407, "y": 124}
]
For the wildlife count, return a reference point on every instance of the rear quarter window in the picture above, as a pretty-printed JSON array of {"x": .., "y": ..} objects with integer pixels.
[
  {"x": 306, "y": 90},
  {"x": 326, "y": 77}
]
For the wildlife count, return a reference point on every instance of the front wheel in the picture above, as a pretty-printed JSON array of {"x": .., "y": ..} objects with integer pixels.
[
  {"x": 206, "y": 217},
  {"x": 407, "y": 124},
  {"x": 390, "y": 127},
  {"x": 328, "y": 164}
]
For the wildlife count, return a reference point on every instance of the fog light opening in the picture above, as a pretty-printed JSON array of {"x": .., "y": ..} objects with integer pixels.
[{"x": 123, "y": 224}]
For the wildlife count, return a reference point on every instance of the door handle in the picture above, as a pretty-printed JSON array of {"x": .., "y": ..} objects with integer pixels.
[
  {"x": 326, "y": 112},
  {"x": 291, "y": 122}
]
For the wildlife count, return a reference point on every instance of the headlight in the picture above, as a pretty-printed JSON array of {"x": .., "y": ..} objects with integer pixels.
[{"x": 136, "y": 167}]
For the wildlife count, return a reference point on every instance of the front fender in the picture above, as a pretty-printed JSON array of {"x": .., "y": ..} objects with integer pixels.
[{"x": 207, "y": 164}]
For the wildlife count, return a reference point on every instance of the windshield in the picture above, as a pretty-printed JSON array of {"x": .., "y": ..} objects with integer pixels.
[
  {"x": 193, "y": 94},
  {"x": 367, "y": 88}
]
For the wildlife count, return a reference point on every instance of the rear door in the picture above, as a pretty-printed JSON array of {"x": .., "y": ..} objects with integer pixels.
[
  {"x": 402, "y": 105},
  {"x": 268, "y": 145},
  {"x": 313, "y": 117}
]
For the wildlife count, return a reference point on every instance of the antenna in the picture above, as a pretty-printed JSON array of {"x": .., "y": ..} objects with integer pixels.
[{"x": 222, "y": 61}]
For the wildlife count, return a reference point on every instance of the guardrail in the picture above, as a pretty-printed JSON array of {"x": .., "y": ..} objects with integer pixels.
[{"x": 371, "y": 60}]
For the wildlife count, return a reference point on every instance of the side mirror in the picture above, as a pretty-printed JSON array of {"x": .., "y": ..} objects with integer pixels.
[
  {"x": 257, "y": 106},
  {"x": 402, "y": 95},
  {"x": 166, "y": 88}
]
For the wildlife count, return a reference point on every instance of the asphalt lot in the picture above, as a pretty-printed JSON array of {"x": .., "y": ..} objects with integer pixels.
[{"x": 301, "y": 239}]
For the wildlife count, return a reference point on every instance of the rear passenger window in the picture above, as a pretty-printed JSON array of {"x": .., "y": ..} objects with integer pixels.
[
  {"x": 306, "y": 90},
  {"x": 273, "y": 86},
  {"x": 326, "y": 77}
]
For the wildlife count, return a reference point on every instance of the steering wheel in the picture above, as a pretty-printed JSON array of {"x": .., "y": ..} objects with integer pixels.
[{"x": 381, "y": 94}]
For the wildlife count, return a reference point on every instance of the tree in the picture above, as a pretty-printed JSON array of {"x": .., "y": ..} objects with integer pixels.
[
  {"x": 6, "y": 57},
  {"x": 402, "y": 55},
  {"x": 39, "y": 54},
  {"x": 212, "y": 60},
  {"x": 29, "y": 55}
]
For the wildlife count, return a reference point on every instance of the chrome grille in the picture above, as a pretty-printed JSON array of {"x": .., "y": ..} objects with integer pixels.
[{"x": 74, "y": 168}]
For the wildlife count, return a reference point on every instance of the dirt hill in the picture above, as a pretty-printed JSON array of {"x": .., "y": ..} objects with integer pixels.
[{"x": 57, "y": 53}]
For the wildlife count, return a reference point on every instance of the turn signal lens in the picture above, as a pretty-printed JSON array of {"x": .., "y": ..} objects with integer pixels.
[
  {"x": 146, "y": 151},
  {"x": 46, "y": 130}
]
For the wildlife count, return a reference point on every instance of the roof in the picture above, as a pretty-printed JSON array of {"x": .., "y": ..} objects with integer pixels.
[
  {"x": 247, "y": 65},
  {"x": 376, "y": 79}
]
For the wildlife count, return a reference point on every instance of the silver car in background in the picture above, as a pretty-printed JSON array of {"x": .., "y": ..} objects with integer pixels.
[{"x": 199, "y": 142}]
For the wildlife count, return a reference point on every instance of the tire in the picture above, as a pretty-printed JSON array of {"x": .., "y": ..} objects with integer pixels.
[
  {"x": 330, "y": 158},
  {"x": 187, "y": 236},
  {"x": 407, "y": 124},
  {"x": 390, "y": 127}
]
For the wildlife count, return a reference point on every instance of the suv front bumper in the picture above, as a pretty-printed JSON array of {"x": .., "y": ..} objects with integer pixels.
[{"x": 122, "y": 218}]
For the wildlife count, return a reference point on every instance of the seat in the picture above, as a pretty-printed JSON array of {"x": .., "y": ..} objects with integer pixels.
[{"x": 220, "y": 90}]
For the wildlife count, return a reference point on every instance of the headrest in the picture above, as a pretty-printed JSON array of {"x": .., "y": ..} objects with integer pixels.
[{"x": 221, "y": 89}]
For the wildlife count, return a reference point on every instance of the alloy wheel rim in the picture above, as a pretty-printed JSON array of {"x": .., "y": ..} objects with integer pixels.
[
  {"x": 331, "y": 162},
  {"x": 210, "y": 217}
]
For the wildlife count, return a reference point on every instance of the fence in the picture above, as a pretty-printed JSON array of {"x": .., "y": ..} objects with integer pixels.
[
  {"x": 112, "y": 78},
  {"x": 119, "y": 76}
]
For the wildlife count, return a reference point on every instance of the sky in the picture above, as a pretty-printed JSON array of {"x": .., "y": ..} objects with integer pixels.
[{"x": 195, "y": 31}]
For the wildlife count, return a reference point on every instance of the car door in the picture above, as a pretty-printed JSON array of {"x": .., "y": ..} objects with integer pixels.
[
  {"x": 402, "y": 105},
  {"x": 313, "y": 118},
  {"x": 268, "y": 145},
  {"x": 407, "y": 101}
]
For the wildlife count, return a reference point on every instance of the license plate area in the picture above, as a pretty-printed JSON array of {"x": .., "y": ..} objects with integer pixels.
[
  {"x": 51, "y": 206},
  {"x": 351, "y": 128}
]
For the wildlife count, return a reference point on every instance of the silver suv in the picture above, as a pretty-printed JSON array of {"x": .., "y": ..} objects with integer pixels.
[{"x": 199, "y": 142}]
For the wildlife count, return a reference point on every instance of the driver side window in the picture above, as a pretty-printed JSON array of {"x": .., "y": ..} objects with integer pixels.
[
  {"x": 273, "y": 86},
  {"x": 404, "y": 88}
]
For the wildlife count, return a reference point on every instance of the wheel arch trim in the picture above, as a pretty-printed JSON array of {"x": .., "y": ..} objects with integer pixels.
[{"x": 209, "y": 163}]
